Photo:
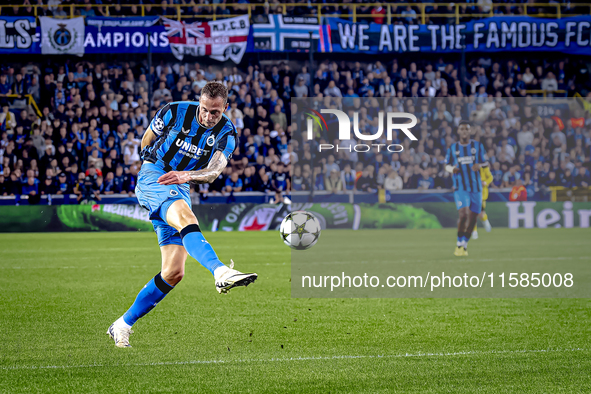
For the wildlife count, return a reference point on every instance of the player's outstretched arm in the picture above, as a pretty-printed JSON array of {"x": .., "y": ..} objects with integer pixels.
[{"x": 216, "y": 165}]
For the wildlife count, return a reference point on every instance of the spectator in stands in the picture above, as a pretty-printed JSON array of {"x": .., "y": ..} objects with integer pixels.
[
  {"x": 264, "y": 184},
  {"x": 14, "y": 181},
  {"x": 550, "y": 84},
  {"x": 62, "y": 186},
  {"x": 249, "y": 179},
  {"x": 409, "y": 15},
  {"x": 78, "y": 113},
  {"x": 5, "y": 188},
  {"x": 366, "y": 182},
  {"x": 426, "y": 182},
  {"x": 301, "y": 89},
  {"x": 94, "y": 161},
  {"x": 331, "y": 166},
  {"x": 31, "y": 188},
  {"x": 130, "y": 148},
  {"x": 393, "y": 182},
  {"x": 529, "y": 78},
  {"x": 162, "y": 93},
  {"x": 511, "y": 177},
  {"x": 233, "y": 183},
  {"x": 5, "y": 88},
  {"x": 279, "y": 118},
  {"x": 130, "y": 180},
  {"x": 7, "y": 120},
  {"x": 333, "y": 182},
  {"x": 332, "y": 90},
  {"x": 348, "y": 178},
  {"x": 518, "y": 192},
  {"x": 298, "y": 182}
]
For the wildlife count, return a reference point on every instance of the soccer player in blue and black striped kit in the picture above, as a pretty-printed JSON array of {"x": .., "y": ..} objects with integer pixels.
[
  {"x": 185, "y": 142},
  {"x": 464, "y": 160}
]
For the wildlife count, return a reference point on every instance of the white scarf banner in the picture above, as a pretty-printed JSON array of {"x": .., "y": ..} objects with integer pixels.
[{"x": 221, "y": 40}]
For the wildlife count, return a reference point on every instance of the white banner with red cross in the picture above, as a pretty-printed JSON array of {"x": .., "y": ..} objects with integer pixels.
[{"x": 221, "y": 40}]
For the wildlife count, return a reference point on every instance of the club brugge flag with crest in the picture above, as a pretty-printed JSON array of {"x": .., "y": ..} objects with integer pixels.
[{"x": 62, "y": 36}]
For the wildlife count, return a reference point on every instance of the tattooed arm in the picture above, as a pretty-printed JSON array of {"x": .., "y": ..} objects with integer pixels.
[{"x": 216, "y": 165}]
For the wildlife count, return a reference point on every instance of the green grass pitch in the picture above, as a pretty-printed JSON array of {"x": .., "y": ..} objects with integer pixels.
[{"x": 60, "y": 292}]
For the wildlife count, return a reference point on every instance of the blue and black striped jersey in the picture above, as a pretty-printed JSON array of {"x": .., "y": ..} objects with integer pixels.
[
  {"x": 463, "y": 157},
  {"x": 182, "y": 143}
]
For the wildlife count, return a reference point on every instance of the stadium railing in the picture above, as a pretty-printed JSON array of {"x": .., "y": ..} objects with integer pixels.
[
  {"x": 455, "y": 11},
  {"x": 546, "y": 93},
  {"x": 30, "y": 102},
  {"x": 575, "y": 194}
]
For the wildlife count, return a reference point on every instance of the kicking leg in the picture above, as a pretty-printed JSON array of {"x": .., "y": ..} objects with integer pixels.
[
  {"x": 173, "y": 270},
  {"x": 181, "y": 217}
]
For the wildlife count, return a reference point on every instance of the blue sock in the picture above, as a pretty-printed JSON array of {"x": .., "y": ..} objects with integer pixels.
[
  {"x": 147, "y": 298},
  {"x": 198, "y": 248},
  {"x": 459, "y": 241},
  {"x": 465, "y": 241}
]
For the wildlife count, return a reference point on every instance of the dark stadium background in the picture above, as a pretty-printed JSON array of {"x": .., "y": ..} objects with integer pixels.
[{"x": 37, "y": 172}]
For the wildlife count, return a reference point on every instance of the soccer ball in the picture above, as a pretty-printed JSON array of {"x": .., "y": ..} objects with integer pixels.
[{"x": 300, "y": 230}]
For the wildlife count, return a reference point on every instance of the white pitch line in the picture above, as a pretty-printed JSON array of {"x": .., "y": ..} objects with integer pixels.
[{"x": 290, "y": 359}]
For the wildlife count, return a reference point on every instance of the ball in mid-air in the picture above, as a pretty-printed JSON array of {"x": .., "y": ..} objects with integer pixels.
[{"x": 300, "y": 230}]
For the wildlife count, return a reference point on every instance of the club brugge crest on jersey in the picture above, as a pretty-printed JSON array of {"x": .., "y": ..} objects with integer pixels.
[
  {"x": 210, "y": 140},
  {"x": 62, "y": 39}
]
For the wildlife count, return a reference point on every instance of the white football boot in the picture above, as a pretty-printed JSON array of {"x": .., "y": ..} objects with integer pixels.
[
  {"x": 474, "y": 234},
  {"x": 487, "y": 226},
  {"x": 120, "y": 335},
  {"x": 227, "y": 278}
]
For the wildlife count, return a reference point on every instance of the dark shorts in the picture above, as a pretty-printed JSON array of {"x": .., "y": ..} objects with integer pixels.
[{"x": 467, "y": 199}]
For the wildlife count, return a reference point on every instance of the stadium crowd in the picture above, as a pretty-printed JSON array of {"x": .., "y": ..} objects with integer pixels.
[
  {"x": 525, "y": 147},
  {"x": 87, "y": 139},
  {"x": 193, "y": 10}
]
